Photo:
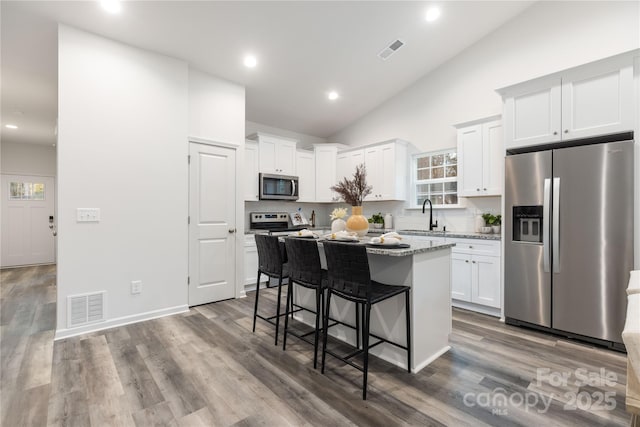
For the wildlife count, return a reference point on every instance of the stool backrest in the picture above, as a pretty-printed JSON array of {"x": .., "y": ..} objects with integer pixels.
[
  {"x": 304, "y": 261},
  {"x": 270, "y": 255},
  {"x": 348, "y": 268}
]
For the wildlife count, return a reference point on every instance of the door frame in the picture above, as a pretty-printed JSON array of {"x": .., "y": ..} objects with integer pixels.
[
  {"x": 55, "y": 212},
  {"x": 240, "y": 220}
]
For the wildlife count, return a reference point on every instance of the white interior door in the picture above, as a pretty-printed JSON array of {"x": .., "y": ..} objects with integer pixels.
[
  {"x": 212, "y": 237},
  {"x": 27, "y": 204}
]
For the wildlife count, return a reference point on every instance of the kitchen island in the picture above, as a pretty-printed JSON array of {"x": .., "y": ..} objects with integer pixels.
[{"x": 426, "y": 268}]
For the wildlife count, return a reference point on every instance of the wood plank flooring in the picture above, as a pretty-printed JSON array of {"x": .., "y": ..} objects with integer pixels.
[{"x": 206, "y": 368}]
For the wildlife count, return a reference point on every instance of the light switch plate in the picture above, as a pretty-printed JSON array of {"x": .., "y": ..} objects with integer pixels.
[{"x": 88, "y": 214}]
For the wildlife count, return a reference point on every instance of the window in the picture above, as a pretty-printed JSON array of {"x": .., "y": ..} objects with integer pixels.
[
  {"x": 26, "y": 191},
  {"x": 435, "y": 177}
]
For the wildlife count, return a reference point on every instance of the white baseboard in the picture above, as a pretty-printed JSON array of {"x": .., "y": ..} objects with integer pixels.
[
  {"x": 437, "y": 354},
  {"x": 491, "y": 311},
  {"x": 120, "y": 321}
]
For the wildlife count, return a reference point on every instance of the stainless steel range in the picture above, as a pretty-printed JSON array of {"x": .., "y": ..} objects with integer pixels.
[{"x": 273, "y": 222}]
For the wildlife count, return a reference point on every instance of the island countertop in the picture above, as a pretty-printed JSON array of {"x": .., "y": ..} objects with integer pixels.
[{"x": 451, "y": 234}]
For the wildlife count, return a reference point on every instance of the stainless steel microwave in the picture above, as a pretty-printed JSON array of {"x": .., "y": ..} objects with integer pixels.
[{"x": 278, "y": 187}]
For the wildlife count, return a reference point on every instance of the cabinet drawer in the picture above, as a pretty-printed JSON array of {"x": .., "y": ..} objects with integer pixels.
[{"x": 475, "y": 247}]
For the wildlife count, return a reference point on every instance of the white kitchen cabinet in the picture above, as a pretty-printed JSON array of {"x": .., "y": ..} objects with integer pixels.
[
  {"x": 325, "y": 171},
  {"x": 251, "y": 166},
  {"x": 251, "y": 262},
  {"x": 277, "y": 154},
  {"x": 386, "y": 165},
  {"x": 589, "y": 100},
  {"x": 475, "y": 275},
  {"x": 480, "y": 157},
  {"x": 346, "y": 163},
  {"x": 306, "y": 167}
]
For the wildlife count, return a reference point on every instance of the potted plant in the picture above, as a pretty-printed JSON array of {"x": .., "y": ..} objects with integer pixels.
[
  {"x": 492, "y": 223},
  {"x": 377, "y": 220},
  {"x": 353, "y": 191},
  {"x": 338, "y": 223}
]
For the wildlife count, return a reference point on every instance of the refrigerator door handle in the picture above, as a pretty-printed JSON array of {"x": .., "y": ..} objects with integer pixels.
[
  {"x": 546, "y": 205},
  {"x": 556, "y": 225}
]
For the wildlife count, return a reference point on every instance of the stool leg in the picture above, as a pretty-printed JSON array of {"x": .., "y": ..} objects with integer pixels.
[
  {"x": 292, "y": 300},
  {"x": 408, "y": 312},
  {"x": 278, "y": 308},
  {"x": 326, "y": 329},
  {"x": 357, "y": 325},
  {"x": 255, "y": 308},
  {"x": 286, "y": 314},
  {"x": 318, "y": 315},
  {"x": 365, "y": 346}
]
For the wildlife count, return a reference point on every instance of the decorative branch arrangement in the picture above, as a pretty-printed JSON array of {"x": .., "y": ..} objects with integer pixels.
[{"x": 353, "y": 191}]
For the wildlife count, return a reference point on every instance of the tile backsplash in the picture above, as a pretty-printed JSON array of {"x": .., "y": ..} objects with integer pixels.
[{"x": 462, "y": 219}]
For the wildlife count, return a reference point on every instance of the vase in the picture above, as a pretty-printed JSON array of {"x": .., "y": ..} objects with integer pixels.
[
  {"x": 358, "y": 222},
  {"x": 338, "y": 225},
  {"x": 496, "y": 229}
]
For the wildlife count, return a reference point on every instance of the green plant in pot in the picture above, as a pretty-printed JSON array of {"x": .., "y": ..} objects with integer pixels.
[
  {"x": 377, "y": 220},
  {"x": 492, "y": 223}
]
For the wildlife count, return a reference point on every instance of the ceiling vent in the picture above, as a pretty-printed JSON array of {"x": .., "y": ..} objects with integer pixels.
[
  {"x": 84, "y": 309},
  {"x": 390, "y": 50}
]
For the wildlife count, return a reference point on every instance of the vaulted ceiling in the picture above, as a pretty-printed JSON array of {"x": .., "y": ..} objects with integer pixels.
[{"x": 304, "y": 50}]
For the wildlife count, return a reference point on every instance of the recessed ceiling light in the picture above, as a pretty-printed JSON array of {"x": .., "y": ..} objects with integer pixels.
[
  {"x": 11, "y": 126},
  {"x": 250, "y": 61},
  {"x": 333, "y": 95},
  {"x": 111, "y": 6},
  {"x": 433, "y": 13}
]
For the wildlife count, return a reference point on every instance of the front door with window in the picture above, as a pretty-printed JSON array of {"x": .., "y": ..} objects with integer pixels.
[
  {"x": 212, "y": 210},
  {"x": 28, "y": 203}
]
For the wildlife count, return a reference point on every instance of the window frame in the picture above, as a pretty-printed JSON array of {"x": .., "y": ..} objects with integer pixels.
[{"x": 415, "y": 182}]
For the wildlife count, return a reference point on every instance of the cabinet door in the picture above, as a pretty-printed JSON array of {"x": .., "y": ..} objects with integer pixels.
[
  {"x": 387, "y": 172},
  {"x": 597, "y": 100},
  {"x": 532, "y": 115},
  {"x": 286, "y": 158},
  {"x": 373, "y": 163},
  {"x": 460, "y": 277},
  {"x": 251, "y": 171},
  {"x": 492, "y": 158},
  {"x": 470, "y": 161},
  {"x": 485, "y": 282},
  {"x": 325, "y": 160},
  {"x": 268, "y": 155},
  {"x": 305, "y": 164}
]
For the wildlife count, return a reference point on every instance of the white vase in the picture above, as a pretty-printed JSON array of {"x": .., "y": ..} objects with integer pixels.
[
  {"x": 496, "y": 229},
  {"x": 338, "y": 225}
]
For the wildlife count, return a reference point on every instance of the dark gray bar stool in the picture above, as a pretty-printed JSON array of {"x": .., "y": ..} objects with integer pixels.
[{"x": 349, "y": 278}]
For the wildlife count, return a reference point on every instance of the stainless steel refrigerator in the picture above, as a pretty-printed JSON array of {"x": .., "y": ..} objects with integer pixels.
[{"x": 569, "y": 238}]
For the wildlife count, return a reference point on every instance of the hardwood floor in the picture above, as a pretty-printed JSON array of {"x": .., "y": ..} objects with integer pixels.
[{"x": 206, "y": 368}]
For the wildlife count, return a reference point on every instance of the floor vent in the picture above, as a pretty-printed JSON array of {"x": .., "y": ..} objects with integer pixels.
[
  {"x": 390, "y": 50},
  {"x": 85, "y": 308}
]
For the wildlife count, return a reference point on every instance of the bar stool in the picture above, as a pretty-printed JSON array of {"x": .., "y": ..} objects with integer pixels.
[
  {"x": 349, "y": 278},
  {"x": 271, "y": 262},
  {"x": 305, "y": 270}
]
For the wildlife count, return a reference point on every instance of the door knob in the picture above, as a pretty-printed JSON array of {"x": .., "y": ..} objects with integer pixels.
[
  {"x": 566, "y": 131},
  {"x": 555, "y": 133},
  {"x": 232, "y": 230}
]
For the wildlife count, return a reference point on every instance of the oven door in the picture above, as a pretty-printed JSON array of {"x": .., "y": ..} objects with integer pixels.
[{"x": 278, "y": 187}]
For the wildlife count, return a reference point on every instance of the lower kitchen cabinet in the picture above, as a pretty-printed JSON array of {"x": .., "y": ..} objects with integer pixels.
[
  {"x": 475, "y": 275},
  {"x": 251, "y": 262}
]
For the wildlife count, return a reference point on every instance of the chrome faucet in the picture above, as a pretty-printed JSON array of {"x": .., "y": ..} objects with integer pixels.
[{"x": 432, "y": 226}]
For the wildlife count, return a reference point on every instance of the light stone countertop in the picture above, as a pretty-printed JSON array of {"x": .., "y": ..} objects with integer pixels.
[{"x": 451, "y": 234}]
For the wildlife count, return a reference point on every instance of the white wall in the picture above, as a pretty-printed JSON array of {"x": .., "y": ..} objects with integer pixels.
[
  {"x": 547, "y": 37},
  {"x": 216, "y": 109},
  {"x": 305, "y": 141},
  {"x": 27, "y": 159},
  {"x": 122, "y": 147}
]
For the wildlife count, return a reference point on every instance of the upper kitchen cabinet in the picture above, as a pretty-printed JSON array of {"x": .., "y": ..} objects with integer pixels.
[
  {"x": 325, "y": 172},
  {"x": 305, "y": 164},
  {"x": 480, "y": 157},
  {"x": 277, "y": 154},
  {"x": 251, "y": 162},
  {"x": 346, "y": 163},
  {"x": 387, "y": 170},
  {"x": 590, "y": 100}
]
